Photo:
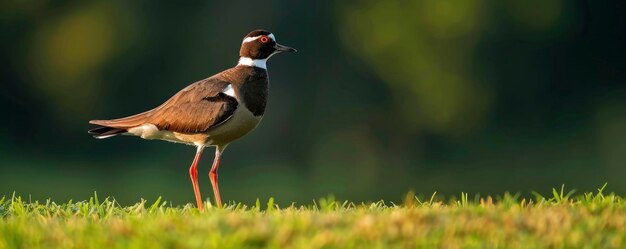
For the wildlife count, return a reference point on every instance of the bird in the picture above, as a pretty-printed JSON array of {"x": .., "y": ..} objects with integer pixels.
[{"x": 212, "y": 112}]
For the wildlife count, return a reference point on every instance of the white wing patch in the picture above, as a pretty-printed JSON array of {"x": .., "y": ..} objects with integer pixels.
[{"x": 229, "y": 90}]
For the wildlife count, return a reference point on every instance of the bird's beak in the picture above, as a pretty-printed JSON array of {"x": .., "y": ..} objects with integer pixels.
[{"x": 282, "y": 48}]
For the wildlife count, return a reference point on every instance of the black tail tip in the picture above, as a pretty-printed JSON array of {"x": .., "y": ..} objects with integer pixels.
[{"x": 105, "y": 132}]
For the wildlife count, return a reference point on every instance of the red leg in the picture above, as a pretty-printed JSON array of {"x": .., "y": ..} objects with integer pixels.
[
  {"x": 193, "y": 173},
  {"x": 213, "y": 176}
]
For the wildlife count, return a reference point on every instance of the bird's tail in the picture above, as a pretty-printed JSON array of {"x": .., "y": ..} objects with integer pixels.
[
  {"x": 106, "y": 132},
  {"x": 113, "y": 127}
]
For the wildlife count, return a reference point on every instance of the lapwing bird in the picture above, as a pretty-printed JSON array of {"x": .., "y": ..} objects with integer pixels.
[{"x": 212, "y": 112}]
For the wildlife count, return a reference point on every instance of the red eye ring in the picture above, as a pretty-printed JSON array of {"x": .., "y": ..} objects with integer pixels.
[{"x": 264, "y": 39}]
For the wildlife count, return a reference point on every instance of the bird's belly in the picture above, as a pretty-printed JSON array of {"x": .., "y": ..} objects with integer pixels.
[
  {"x": 150, "y": 131},
  {"x": 240, "y": 124}
]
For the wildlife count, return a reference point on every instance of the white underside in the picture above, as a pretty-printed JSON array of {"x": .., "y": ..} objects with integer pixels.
[{"x": 242, "y": 122}]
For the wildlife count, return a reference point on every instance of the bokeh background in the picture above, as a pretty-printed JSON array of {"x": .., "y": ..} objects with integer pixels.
[{"x": 383, "y": 97}]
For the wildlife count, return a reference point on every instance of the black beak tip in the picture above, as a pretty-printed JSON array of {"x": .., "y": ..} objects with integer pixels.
[{"x": 283, "y": 48}]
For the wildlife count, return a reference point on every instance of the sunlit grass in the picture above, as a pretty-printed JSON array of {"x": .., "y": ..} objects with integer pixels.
[{"x": 563, "y": 220}]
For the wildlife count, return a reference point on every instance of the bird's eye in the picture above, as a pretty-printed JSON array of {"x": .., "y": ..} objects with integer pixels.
[{"x": 264, "y": 39}]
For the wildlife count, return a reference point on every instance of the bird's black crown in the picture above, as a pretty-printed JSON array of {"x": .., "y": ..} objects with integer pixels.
[{"x": 258, "y": 32}]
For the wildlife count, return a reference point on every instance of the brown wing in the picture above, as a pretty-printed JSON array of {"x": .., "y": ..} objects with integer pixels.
[{"x": 196, "y": 108}]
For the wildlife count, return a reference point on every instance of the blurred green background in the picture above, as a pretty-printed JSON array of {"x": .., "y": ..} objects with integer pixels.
[{"x": 383, "y": 97}]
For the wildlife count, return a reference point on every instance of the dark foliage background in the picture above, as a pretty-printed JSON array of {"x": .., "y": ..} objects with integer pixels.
[{"x": 383, "y": 96}]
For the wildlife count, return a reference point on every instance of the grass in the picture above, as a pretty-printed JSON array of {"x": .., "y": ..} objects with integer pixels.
[{"x": 563, "y": 220}]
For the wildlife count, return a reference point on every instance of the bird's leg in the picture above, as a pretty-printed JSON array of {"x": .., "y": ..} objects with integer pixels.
[
  {"x": 213, "y": 176},
  {"x": 193, "y": 173}
]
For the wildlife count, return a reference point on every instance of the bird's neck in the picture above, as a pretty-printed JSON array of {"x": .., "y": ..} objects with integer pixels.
[{"x": 246, "y": 61}]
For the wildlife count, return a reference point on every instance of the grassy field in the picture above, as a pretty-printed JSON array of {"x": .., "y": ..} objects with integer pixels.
[{"x": 562, "y": 220}]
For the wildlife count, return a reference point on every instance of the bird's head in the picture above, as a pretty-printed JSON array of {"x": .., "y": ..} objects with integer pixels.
[{"x": 259, "y": 45}]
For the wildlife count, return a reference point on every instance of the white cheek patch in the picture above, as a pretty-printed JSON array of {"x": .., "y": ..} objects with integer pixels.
[{"x": 229, "y": 90}]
